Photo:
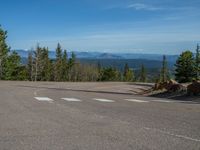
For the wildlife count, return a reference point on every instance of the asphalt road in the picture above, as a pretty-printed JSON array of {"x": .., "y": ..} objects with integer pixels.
[{"x": 44, "y": 116}]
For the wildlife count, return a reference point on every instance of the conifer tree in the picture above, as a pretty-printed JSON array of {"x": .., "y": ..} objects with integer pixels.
[
  {"x": 58, "y": 64},
  {"x": 46, "y": 65},
  {"x": 37, "y": 62},
  {"x": 128, "y": 74},
  {"x": 12, "y": 66},
  {"x": 99, "y": 69},
  {"x": 126, "y": 69},
  {"x": 4, "y": 50},
  {"x": 64, "y": 66},
  {"x": 72, "y": 60},
  {"x": 22, "y": 73},
  {"x": 143, "y": 74},
  {"x": 197, "y": 63},
  {"x": 30, "y": 65},
  {"x": 72, "y": 67},
  {"x": 185, "y": 67},
  {"x": 164, "y": 70},
  {"x": 110, "y": 74}
]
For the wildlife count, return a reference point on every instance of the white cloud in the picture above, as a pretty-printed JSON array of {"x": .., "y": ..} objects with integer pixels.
[
  {"x": 140, "y": 6},
  {"x": 151, "y": 7}
]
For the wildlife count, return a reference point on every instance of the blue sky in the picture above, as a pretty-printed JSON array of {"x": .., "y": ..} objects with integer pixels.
[{"x": 134, "y": 26}]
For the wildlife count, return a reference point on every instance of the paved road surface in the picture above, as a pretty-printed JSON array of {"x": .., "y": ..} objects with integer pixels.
[{"x": 38, "y": 117}]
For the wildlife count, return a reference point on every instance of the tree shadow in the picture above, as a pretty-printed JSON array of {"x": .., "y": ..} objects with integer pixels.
[{"x": 182, "y": 97}]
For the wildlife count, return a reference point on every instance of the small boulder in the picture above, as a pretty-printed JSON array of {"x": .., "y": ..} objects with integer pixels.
[
  {"x": 176, "y": 88},
  {"x": 160, "y": 86},
  {"x": 165, "y": 85},
  {"x": 194, "y": 88},
  {"x": 156, "y": 87},
  {"x": 171, "y": 82}
]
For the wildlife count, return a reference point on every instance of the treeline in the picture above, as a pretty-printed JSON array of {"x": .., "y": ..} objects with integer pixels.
[
  {"x": 63, "y": 68},
  {"x": 40, "y": 67}
]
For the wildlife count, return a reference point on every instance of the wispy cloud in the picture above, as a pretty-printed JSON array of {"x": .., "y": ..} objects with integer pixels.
[
  {"x": 140, "y": 6},
  {"x": 172, "y": 18},
  {"x": 151, "y": 7},
  {"x": 135, "y": 6}
]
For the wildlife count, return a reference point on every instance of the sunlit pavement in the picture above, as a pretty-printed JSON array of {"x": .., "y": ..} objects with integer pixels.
[{"x": 72, "y": 116}]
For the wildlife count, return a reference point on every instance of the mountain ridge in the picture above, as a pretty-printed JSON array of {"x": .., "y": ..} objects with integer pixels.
[{"x": 103, "y": 55}]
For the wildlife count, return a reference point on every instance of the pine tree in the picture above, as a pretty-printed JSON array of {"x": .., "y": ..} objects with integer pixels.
[
  {"x": 197, "y": 63},
  {"x": 143, "y": 74},
  {"x": 72, "y": 60},
  {"x": 58, "y": 64},
  {"x": 99, "y": 69},
  {"x": 30, "y": 65},
  {"x": 22, "y": 73},
  {"x": 72, "y": 67},
  {"x": 64, "y": 66},
  {"x": 12, "y": 66},
  {"x": 164, "y": 70},
  {"x": 50, "y": 74},
  {"x": 46, "y": 66},
  {"x": 185, "y": 67},
  {"x": 4, "y": 50},
  {"x": 128, "y": 74},
  {"x": 37, "y": 62},
  {"x": 126, "y": 69},
  {"x": 110, "y": 74}
]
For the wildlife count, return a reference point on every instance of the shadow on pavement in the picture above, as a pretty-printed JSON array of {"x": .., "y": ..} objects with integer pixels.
[
  {"x": 80, "y": 90},
  {"x": 182, "y": 97}
]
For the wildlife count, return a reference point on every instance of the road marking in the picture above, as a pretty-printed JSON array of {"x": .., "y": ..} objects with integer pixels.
[
  {"x": 136, "y": 100},
  {"x": 163, "y": 101},
  {"x": 44, "y": 99},
  {"x": 175, "y": 135},
  {"x": 104, "y": 100},
  {"x": 71, "y": 99}
]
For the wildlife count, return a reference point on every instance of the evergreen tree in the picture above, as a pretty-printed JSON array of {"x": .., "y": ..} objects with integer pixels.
[
  {"x": 37, "y": 62},
  {"x": 197, "y": 62},
  {"x": 12, "y": 66},
  {"x": 72, "y": 67},
  {"x": 30, "y": 65},
  {"x": 143, "y": 74},
  {"x": 99, "y": 69},
  {"x": 4, "y": 50},
  {"x": 110, "y": 74},
  {"x": 64, "y": 66},
  {"x": 58, "y": 64},
  {"x": 46, "y": 66},
  {"x": 72, "y": 60},
  {"x": 128, "y": 74},
  {"x": 164, "y": 70},
  {"x": 22, "y": 73},
  {"x": 185, "y": 67},
  {"x": 50, "y": 74},
  {"x": 126, "y": 69}
]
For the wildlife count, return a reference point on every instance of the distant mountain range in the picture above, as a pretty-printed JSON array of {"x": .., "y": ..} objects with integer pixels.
[
  {"x": 152, "y": 62},
  {"x": 99, "y": 55}
]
